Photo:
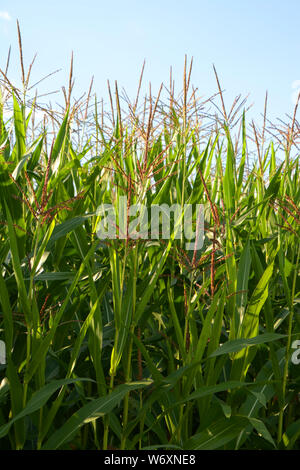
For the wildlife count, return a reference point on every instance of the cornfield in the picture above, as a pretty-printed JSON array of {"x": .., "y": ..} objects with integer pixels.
[{"x": 138, "y": 343}]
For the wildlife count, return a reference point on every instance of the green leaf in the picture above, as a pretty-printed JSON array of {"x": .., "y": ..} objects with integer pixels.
[
  {"x": 19, "y": 130},
  {"x": 66, "y": 227},
  {"x": 90, "y": 412},
  {"x": 37, "y": 401},
  {"x": 57, "y": 162},
  {"x": 239, "y": 344},
  {"x": 242, "y": 286},
  {"x": 218, "y": 434},
  {"x": 262, "y": 430},
  {"x": 17, "y": 268},
  {"x": 8, "y": 316},
  {"x": 45, "y": 343},
  {"x": 20, "y": 166}
]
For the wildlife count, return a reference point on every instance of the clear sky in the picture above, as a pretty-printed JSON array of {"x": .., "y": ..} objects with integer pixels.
[{"x": 254, "y": 44}]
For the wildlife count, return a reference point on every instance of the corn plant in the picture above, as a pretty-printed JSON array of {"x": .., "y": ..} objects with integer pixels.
[{"x": 139, "y": 343}]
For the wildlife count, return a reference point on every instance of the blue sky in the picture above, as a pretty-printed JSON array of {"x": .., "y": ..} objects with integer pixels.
[{"x": 254, "y": 45}]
